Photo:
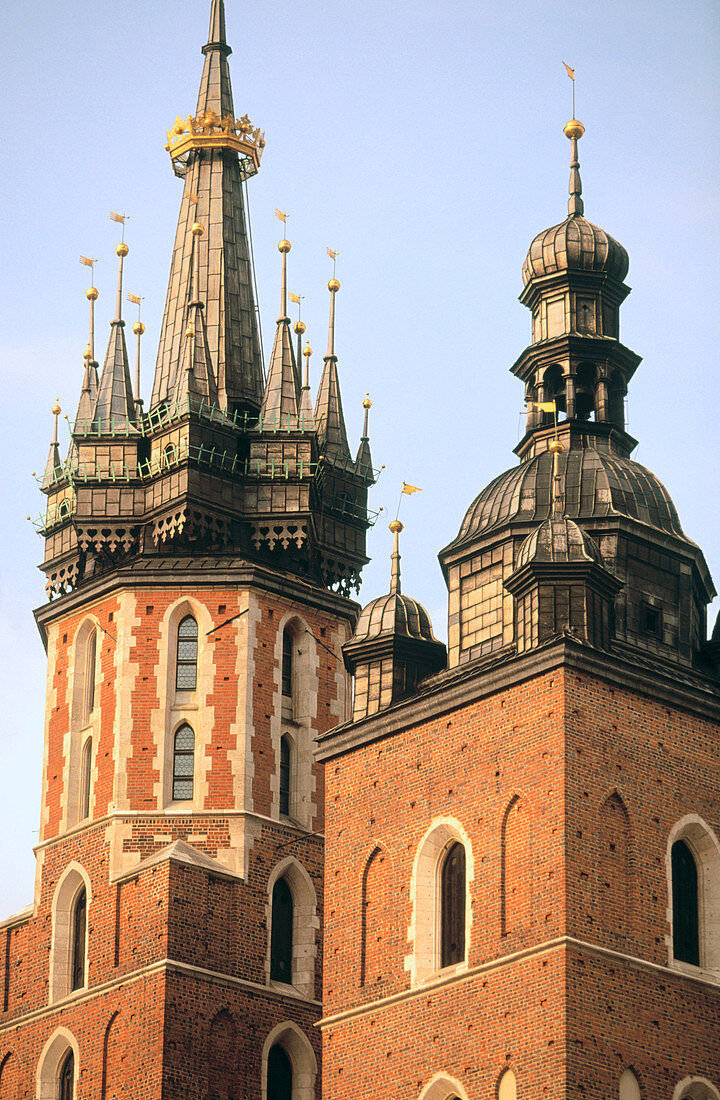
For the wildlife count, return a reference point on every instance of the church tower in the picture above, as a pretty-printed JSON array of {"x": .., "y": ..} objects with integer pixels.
[
  {"x": 524, "y": 891},
  {"x": 200, "y": 556}
]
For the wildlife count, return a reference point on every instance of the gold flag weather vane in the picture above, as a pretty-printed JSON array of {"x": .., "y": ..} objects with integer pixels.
[{"x": 571, "y": 74}]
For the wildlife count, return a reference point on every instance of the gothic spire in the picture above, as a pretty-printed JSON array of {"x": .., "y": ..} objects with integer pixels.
[
  {"x": 214, "y": 153},
  {"x": 114, "y": 405},
  {"x": 574, "y": 130},
  {"x": 281, "y": 398},
  {"x": 329, "y": 419},
  {"x": 307, "y": 418},
  {"x": 53, "y": 466},
  {"x": 363, "y": 462},
  {"x": 195, "y": 373}
]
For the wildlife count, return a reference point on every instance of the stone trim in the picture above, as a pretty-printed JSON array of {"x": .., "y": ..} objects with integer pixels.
[{"x": 302, "y": 1056}]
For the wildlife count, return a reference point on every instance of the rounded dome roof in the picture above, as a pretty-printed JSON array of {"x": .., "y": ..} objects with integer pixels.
[
  {"x": 594, "y": 484},
  {"x": 558, "y": 540},
  {"x": 393, "y": 614},
  {"x": 575, "y": 245}
]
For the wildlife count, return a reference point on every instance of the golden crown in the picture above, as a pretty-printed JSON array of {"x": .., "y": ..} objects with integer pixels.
[{"x": 211, "y": 131}]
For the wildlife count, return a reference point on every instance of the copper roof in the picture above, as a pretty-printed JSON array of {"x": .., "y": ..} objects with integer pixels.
[{"x": 574, "y": 245}]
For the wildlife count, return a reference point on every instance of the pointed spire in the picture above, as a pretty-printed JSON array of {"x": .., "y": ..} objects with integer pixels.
[
  {"x": 281, "y": 399},
  {"x": 88, "y": 395},
  {"x": 329, "y": 419},
  {"x": 53, "y": 466},
  {"x": 195, "y": 374},
  {"x": 138, "y": 329},
  {"x": 205, "y": 150},
  {"x": 363, "y": 462},
  {"x": 574, "y": 130},
  {"x": 396, "y": 527},
  {"x": 114, "y": 406},
  {"x": 299, "y": 330},
  {"x": 307, "y": 417}
]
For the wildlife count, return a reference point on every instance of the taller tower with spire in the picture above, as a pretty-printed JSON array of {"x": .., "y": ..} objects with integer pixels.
[{"x": 201, "y": 550}]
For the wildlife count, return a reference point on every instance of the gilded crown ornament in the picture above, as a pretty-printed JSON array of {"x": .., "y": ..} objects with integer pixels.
[{"x": 212, "y": 131}]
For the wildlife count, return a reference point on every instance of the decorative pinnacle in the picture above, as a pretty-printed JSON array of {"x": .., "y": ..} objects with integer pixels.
[
  {"x": 56, "y": 410},
  {"x": 367, "y": 405},
  {"x": 284, "y": 247},
  {"x": 122, "y": 251},
  {"x": 333, "y": 287},
  {"x": 574, "y": 130},
  {"x": 92, "y": 296},
  {"x": 299, "y": 327},
  {"x": 556, "y": 449},
  {"x": 396, "y": 527},
  {"x": 138, "y": 329}
]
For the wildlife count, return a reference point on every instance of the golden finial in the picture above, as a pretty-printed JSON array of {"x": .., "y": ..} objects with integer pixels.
[
  {"x": 122, "y": 249},
  {"x": 284, "y": 246},
  {"x": 333, "y": 285},
  {"x": 555, "y": 447},
  {"x": 197, "y": 229},
  {"x": 56, "y": 410},
  {"x": 91, "y": 294},
  {"x": 307, "y": 351},
  {"x": 367, "y": 403},
  {"x": 138, "y": 328},
  {"x": 190, "y": 332},
  {"x": 88, "y": 354},
  {"x": 573, "y": 129},
  {"x": 299, "y": 327},
  {"x": 396, "y": 526}
]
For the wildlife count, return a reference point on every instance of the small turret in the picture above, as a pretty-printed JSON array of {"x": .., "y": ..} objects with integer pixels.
[
  {"x": 363, "y": 462},
  {"x": 329, "y": 419},
  {"x": 114, "y": 405},
  {"x": 281, "y": 399}
]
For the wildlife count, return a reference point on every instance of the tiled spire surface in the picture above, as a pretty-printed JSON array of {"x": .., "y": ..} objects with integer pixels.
[
  {"x": 329, "y": 419},
  {"x": 114, "y": 405},
  {"x": 281, "y": 398},
  {"x": 213, "y": 194},
  {"x": 88, "y": 394}
]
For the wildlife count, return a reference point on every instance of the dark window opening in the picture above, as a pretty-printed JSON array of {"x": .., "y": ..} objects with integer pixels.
[
  {"x": 287, "y": 663},
  {"x": 187, "y": 654},
  {"x": 66, "y": 1078},
  {"x": 651, "y": 620},
  {"x": 281, "y": 937},
  {"x": 90, "y": 669},
  {"x": 285, "y": 772},
  {"x": 280, "y": 1075},
  {"x": 183, "y": 763},
  {"x": 143, "y": 451},
  {"x": 79, "y": 929},
  {"x": 452, "y": 907},
  {"x": 686, "y": 923},
  {"x": 85, "y": 777}
]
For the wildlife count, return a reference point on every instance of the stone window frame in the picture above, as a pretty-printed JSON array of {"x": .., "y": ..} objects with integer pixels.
[
  {"x": 73, "y": 879},
  {"x": 306, "y": 923},
  {"x": 705, "y": 847},
  {"x": 695, "y": 1088},
  {"x": 442, "y": 1087},
  {"x": 629, "y": 1081},
  {"x": 51, "y": 1060},
  {"x": 288, "y": 739},
  {"x": 176, "y": 752},
  {"x": 423, "y": 960},
  {"x": 84, "y": 719},
  {"x": 302, "y": 1056},
  {"x": 297, "y": 724},
  {"x": 86, "y": 784}
]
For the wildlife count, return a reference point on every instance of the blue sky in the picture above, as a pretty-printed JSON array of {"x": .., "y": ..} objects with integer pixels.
[{"x": 424, "y": 142}]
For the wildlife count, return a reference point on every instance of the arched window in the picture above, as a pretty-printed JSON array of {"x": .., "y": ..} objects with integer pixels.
[
  {"x": 507, "y": 1086},
  {"x": 287, "y": 663},
  {"x": 281, "y": 935},
  {"x": 686, "y": 931},
  {"x": 85, "y": 777},
  {"x": 78, "y": 940},
  {"x": 285, "y": 774},
  {"x": 183, "y": 763},
  {"x": 629, "y": 1087},
  {"x": 187, "y": 655},
  {"x": 66, "y": 1079},
  {"x": 89, "y": 670},
  {"x": 279, "y": 1074},
  {"x": 695, "y": 1088},
  {"x": 452, "y": 906}
]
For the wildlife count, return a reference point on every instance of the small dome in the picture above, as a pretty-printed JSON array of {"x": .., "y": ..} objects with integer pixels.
[
  {"x": 574, "y": 245},
  {"x": 593, "y": 484},
  {"x": 394, "y": 614},
  {"x": 559, "y": 541}
]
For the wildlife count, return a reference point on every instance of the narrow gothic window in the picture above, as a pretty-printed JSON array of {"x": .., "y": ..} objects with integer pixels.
[
  {"x": 183, "y": 763},
  {"x": 66, "y": 1079},
  {"x": 78, "y": 931},
  {"x": 85, "y": 776},
  {"x": 287, "y": 663},
  {"x": 281, "y": 936},
  {"x": 686, "y": 930},
  {"x": 187, "y": 654},
  {"x": 452, "y": 906},
  {"x": 90, "y": 663},
  {"x": 285, "y": 773},
  {"x": 280, "y": 1075}
]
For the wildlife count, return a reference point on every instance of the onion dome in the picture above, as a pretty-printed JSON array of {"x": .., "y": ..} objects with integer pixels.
[
  {"x": 594, "y": 484},
  {"x": 558, "y": 541},
  {"x": 394, "y": 614},
  {"x": 576, "y": 244}
]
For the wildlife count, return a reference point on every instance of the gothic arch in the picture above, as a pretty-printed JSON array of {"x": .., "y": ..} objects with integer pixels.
[
  {"x": 695, "y": 1088},
  {"x": 423, "y": 961},
  {"x": 705, "y": 849},
  {"x": 110, "y": 1041},
  {"x": 614, "y": 865},
  {"x": 86, "y": 679},
  {"x": 376, "y": 891},
  {"x": 442, "y": 1087},
  {"x": 305, "y": 923},
  {"x": 629, "y": 1086},
  {"x": 73, "y": 880},
  {"x": 507, "y": 1085},
  {"x": 56, "y": 1049},
  {"x": 10, "y": 1088},
  {"x": 222, "y": 1043},
  {"x": 516, "y": 868},
  {"x": 302, "y": 1057},
  {"x": 294, "y": 714}
]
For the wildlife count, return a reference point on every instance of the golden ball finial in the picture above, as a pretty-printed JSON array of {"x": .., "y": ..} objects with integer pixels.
[
  {"x": 396, "y": 526},
  {"x": 88, "y": 354},
  {"x": 307, "y": 350},
  {"x": 555, "y": 447},
  {"x": 190, "y": 332},
  {"x": 92, "y": 294},
  {"x": 197, "y": 230},
  {"x": 122, "y": 249},
  {"x": 56, "y": 410},
  {"x": 333, "y": 285},
  {"x": 138, "y": 328},
  {"x": 573, "y": 129},
  {"x": 367, "y": 403},
  {"x": 284, "y": 246},
  {"x": 299, "y": 327}
]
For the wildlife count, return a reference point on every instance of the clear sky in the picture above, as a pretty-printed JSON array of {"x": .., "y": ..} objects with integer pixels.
[{"x": 423, "y": 140}]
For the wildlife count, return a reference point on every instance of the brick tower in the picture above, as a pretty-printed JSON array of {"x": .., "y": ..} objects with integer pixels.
[
  {"x": 524, "y": 885},
  {"x": 200, "y": 557}
]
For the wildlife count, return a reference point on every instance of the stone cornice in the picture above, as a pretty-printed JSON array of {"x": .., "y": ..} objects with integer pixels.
[{"x": 463, "y": 686}]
